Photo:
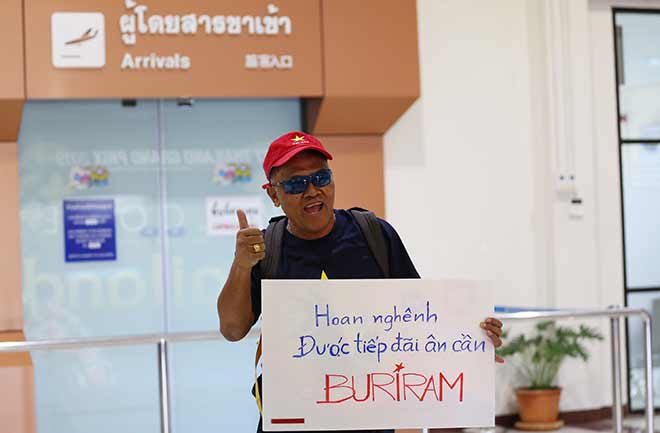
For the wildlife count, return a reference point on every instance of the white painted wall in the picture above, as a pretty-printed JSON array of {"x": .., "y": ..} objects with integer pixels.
[
  {"x": 512, "y": 95},
  {"x": 459, "y": 181}
]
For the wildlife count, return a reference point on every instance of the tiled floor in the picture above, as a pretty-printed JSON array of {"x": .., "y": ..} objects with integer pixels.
[{"x": 632, "y": 424}]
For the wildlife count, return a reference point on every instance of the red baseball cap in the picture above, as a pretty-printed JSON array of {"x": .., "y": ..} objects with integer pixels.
[{"x": 289, "y": 145}]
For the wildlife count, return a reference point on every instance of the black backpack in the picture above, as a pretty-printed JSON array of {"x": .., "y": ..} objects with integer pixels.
[{"x": 369, "y": 226}]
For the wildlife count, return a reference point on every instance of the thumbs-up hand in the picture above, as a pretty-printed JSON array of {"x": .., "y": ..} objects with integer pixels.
[{"x": 250, "y": 246}]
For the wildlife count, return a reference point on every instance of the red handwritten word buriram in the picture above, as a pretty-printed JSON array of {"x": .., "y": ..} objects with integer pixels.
[{"x": 388, "y": 386}]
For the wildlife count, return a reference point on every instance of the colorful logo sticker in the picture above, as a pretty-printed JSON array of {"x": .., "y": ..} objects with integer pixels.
[
  {"x": 232, "y": 173},
  {"x": 88, "y": 177}
]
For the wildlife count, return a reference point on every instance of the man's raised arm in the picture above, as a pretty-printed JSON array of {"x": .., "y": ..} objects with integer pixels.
[{"x": 234, "y": 302}]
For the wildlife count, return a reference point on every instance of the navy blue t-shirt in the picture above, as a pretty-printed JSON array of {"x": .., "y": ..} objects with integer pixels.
[{"x": 342, "y": 254}]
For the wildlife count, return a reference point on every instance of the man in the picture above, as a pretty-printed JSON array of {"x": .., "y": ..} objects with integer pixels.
[{"x": 319, "y": 241}]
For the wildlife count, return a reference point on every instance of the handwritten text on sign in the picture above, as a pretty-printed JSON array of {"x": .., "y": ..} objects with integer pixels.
[{"x": 377, "y": 354}]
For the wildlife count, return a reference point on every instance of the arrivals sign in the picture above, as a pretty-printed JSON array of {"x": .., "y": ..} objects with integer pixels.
[
  {"x": 376, "y": 354},
  {"x": 152, "y": 48}
]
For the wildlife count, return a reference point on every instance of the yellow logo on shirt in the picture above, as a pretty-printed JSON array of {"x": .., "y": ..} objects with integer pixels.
[{"x": 323, "y": 275}]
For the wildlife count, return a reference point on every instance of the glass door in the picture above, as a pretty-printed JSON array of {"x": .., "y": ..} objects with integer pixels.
[
  {"x": 637, "y": 37},
  {"x": 91, "y": 255},
  {"x": 219, "y": 147},
  {"x": 127, "y": 228}
]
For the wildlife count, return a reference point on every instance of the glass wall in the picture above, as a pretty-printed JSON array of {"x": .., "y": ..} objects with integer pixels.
[
  {"x": 127, "y": 227},
  {"x": 650, "y": 301},
  {"x": 638, "y": 85},
  {"x": 638, "y": 57}
]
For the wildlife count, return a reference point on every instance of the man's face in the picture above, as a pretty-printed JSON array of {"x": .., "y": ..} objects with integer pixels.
[{"x": 310, "y": 213}]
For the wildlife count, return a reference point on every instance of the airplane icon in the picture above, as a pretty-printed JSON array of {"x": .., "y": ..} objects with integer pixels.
[{"x": 89, "y": 34}]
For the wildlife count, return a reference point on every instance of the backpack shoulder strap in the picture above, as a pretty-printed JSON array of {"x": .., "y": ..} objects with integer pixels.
[
  {"x": 273, "y": 239},
  {"x": 372, "y": 232},
  {"x": 268, "y": 267}
]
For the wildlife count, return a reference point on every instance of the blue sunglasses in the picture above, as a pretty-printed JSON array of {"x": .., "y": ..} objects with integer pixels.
[{"x": 298, "y": 184}]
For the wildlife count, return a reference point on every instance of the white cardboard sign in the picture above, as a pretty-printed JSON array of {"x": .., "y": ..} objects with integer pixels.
[{"x": 376, "y": 354}]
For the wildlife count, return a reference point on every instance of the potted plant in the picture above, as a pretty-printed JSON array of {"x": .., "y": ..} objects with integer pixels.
[{"x": 541, "y": 356}]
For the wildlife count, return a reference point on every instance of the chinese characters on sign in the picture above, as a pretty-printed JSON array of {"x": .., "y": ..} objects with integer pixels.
[{"x": 268, "y": 61}]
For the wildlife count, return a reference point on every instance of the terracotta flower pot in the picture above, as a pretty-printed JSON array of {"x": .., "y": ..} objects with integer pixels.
[{"x": 538, "y": 405}]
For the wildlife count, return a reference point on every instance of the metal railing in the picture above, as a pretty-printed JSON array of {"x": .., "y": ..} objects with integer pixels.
[
  {"x": 615, "y": 315},
  {"x": 161, "y": 340}
]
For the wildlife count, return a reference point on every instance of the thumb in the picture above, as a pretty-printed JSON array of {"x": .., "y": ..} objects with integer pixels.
[{"x": 242, "y": 219}]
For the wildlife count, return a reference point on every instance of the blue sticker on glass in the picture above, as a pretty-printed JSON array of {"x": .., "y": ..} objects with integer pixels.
[{"x": 89, "y": 230}]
